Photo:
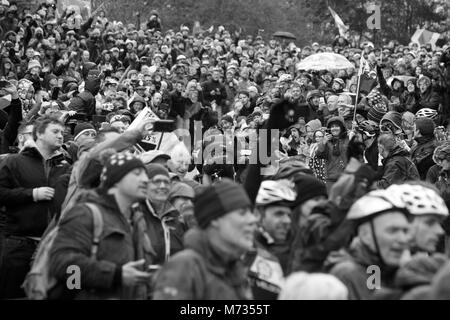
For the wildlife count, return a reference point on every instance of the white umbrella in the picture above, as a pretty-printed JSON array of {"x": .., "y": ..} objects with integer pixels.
[{"x": 325, "y": 61}]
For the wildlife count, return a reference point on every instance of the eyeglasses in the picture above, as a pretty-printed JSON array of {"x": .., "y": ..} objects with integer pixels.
[{"x": 160, "y": 182}]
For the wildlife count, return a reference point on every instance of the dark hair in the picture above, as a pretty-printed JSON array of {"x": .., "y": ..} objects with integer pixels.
[{"x": 42, "y": 123}]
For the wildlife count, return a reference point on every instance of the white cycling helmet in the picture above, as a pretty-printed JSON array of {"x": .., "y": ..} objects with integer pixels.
[
  {"x": 420, "y": 200},
  {"x": 374, "y": 203},
  {"x": 272, "y": 191},
  {"x": 427, "y": 113}
]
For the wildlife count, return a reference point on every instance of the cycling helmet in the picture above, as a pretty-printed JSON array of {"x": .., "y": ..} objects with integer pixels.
[
  {"x": 369, "y": 127},
  {"x": 419, "y": 200},
  {"x": 375, "y": 203},
  {"x": 427, "y": 113},
  {"x": 273, "y": 191},
  {"x": 340, "y": 81},
  {"x": 441, "y": 152}
]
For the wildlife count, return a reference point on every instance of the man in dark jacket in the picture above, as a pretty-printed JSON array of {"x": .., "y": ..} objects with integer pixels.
[
  {"x": 177, "y": 101},
  {"x": 14, "y": 111},
  {"x": 428, "y": 97},
  {"x": 85, "y": 101},
  {"x": 210, "y": 267},
  {"x": 119, "y": 269},
  {"x": 214, "y": 90},
  {"x": 397, "y": 164},
  {"x": 422, "y": 153},
  {"x": 27, "y": 189},
  {"x": 375, "y": 254}
]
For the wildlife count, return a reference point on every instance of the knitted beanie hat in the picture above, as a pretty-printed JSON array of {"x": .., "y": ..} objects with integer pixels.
[
  {"x": 376, "y": 113},
  {"x": 117, "y": 166},
  {"x": 154, "y": 169},
  {"x": 82, "y": 128},
  {"x": 218, "y": 200}
]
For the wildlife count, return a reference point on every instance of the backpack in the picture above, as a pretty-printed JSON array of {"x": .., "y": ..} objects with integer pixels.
[{"x": 38, "y": 282}]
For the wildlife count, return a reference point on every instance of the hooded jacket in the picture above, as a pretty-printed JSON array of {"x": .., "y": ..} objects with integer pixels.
[
  {"x": 165, "y": 231},
  {"x": 19, "y": 175},
  {"x": 85, "y": 101},
  {"x": 397, "y": 168},
  {"x": 334, "y": 151},
  {"x": 202, "y": 272}
]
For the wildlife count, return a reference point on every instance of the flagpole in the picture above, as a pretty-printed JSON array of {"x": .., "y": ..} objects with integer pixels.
[{"x": 356, "y": 101}]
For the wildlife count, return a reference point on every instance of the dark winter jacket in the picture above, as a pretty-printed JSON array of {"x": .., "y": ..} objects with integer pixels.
[
  {"x": 9, "y": 133},
  {"x": 397, "y": 168},
  {"x": 119, "y": 244},
  {"x": 219, "y": 89},
  {"x": 19, "y": 175},
  {"x": 429, "y": 99},
  {"x": 334, "y": 151},
  {"x": 422, "y": 155},
  {"x": 353, "y": 272},
  {"x": 165, "y": 232},
  {"x": 202, "y": 272},
  {"x": 177, "y": 104},
  {"x": 325, "y": 230},
  {"x": 85, "y": 101}
]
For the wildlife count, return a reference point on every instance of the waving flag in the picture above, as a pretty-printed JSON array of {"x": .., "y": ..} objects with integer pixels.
[
  {"x": 366, "y": 82},
  {"x": 339, "y": 23},
  {"x": 364, "y": 66},
  {"x": 422, "y": 36}
]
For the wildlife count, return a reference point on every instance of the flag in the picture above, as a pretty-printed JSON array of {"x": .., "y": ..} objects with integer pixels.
[
  {"x": 366, "y": 83},
  {"x": 339, "y": 23},
  {"x": 422, "y": 36},
  {"x": 364, "y": 66}
]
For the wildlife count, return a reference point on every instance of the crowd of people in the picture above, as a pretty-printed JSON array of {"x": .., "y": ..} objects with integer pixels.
[{"x": 358, "y": 188}]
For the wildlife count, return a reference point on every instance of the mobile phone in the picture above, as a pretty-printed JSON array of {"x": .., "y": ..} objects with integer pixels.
[
  {"x": 164, "y": 126},
  {"x": 322, "y": 100}
]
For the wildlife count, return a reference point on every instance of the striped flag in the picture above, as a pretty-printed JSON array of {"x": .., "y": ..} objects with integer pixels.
[{"x": 339, "y": 23}]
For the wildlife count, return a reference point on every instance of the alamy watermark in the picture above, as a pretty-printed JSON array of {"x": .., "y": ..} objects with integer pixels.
[
  {"x": 374, "y": 277},
  {"x": 374, "y": 20}
]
